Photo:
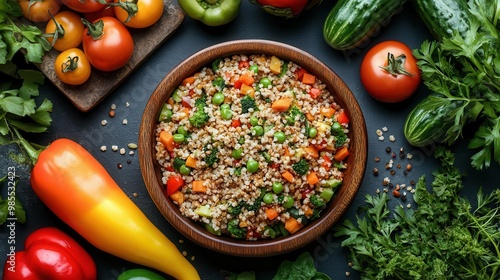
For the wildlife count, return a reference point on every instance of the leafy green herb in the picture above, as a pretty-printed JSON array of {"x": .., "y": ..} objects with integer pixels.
[
  {"x": 443, "y": 238},
  {"x": 19, "y": 112},
  {"x": 15, "y": 37},
  {"x": 12, "y": 206},
  {"x": 465, "y": 71},
  {"x": 302, "y": 268}
]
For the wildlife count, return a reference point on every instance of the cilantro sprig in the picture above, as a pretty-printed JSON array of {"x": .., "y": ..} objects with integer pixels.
[
  {"x": 445, "y": 237},
  {"x": 463, "y": 72}
]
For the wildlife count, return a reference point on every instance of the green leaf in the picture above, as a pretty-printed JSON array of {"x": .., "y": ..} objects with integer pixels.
[
  {"x": 31, "y": 81},
  {"x": 14, "y": 105},
  {"x": 3, "y": 211},
  {"x": 19, "y": 212},
  {"x": 42, "y": 113},
  {"x": 28, "y": 126}
]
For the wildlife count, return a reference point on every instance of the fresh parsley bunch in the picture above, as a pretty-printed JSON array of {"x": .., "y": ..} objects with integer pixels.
[
  {"x": 443, "y": 238},
  {"x": 464, "y": 75}
]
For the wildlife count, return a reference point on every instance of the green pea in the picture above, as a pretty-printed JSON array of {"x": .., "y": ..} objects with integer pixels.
[
  {"x": 252, "y": 165},
  {"x": 225, "y": 106},
  {"x": 312, "y": 132},
  {"x": 280, "y": 137},
  {"x": 218, "y": 98},
  {"x": 237, "y": 154},
  {"x": 182, "y": 130},
  {"x": 254, "y": 68},
  {"x": 258, "y": 130},
  {"x": 226, "y": 114},
  {"x": 288, "y": 202},
  {"x": 184, "y": 170},
  {"x": 268, "y": 198},
  {"x": 277, "y": 187},
  {"x": 254, "y": 120},
  {"x": 178, "y": 138},
  {"x": 265, "y": 82}
]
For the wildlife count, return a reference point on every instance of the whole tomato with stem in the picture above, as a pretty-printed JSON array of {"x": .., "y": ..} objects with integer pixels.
[
  {"x": 106, "y": 12},
  {"x": 138, "y": 13},
  {"x": 38, "y": 10},
  {"x": 389, "y": 72},
  {"x": 65, "y": 30},
  {"x": 107, "y": 43},
  {"x": 84, "y": 6},
  {"x": 72, "y": 67}
]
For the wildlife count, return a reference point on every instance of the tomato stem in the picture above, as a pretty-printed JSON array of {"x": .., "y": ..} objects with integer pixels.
[
  {"x": 395, "y": 65},
  {"x": 95, "y": 30}
]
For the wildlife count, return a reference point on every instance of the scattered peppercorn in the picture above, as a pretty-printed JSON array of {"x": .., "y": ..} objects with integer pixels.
[
  {"x": 129, "y": 161},
  {"x": 375, "y": 171},
  {"x": 377, "y": 159},
  {"x": 119, "y": 165},
  {"x": 392, "y": 172},
  {"x": 396, "y": 193},
  {"x": 388, "y": 149},
  {"x": 112, "y": 113}
]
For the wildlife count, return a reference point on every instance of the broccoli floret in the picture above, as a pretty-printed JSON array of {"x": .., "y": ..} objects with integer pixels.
[
  {"x": 219, "y": 83},
  {"x": 235, "y": 210},
  {"x": 199, "y": 117},
  {"x": 301, "y": 167},
  {"x": 293, "y": 112},
  {"x": 337, "y": 131},
  {"x": 178, "y": 162},
  {"x": 215, "y": 64},
  {"x": 317, "y": 201},
  {"x": 212, "y": 157},
  {"x": 235, "y": 230},
  {"x": 248, "y": 102}
]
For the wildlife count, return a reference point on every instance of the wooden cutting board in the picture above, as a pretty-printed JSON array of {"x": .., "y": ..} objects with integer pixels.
[{"x": 101, "y": 84}]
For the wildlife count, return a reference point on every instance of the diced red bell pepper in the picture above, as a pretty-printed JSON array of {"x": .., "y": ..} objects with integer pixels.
[
  {"x": 243, "y": 64},
  {"x": 237, "y": 84},
  {"x": 174, "y": 183},
  {"x": 342, "y": 117},
  {"x": 314, "y": 92},
  {"x": 236, "y": 123}
]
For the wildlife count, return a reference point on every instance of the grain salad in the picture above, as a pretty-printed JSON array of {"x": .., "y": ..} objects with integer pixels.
[{"x": 252, "y": 147}]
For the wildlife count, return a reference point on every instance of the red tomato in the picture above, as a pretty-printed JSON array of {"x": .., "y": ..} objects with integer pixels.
[
  {"x": 38, "y": 11},
  {"x": 108, "y": 47},
  {"x": 83, "y": 6},
  {"x": 145, "y": 14},
  {"x": 389, "y": 72}
]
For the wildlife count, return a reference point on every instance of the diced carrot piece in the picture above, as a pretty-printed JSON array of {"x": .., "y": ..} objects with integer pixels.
[
  {"x": 275, "y": 65},
  {"x": 247, "y": 90},
  {"x": 271, "y": 213},
  {"x": 167, "y": 139},
  {"x": 288, "y": 176},
  {"x": 281, "y": 105},
  {"x": 247, "y": 78},
  {"x": 199, "y": 186},
  {"x": 327, "y": 162},
  {"x": 191, "y": 161},
  {"x": 292, "y": 225},
  {"x": 328, "y": 112},
  {"x": 170, "y": 102},
  {"x": 236, "y": 123},
  {"x": 178, "y": 197},
  {"x": 287, "y": 152},
  {"x": 186, "y": 111},
  {"x": 243, "y": 64},
  {"x": 308, "y": 79},
  {"x": 342, "y": 117},
  {"x": 312, "y": 151},
  {"x": 309, "y": 117},
  {"x": 308, "y": 212},
  {"x": 341, "y": 154},
  {"x": 312, "y": 178},
  {"x": 188, "y": 80}
]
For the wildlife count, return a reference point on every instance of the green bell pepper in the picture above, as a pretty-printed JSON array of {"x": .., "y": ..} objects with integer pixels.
[
  {"x": 139, "y": 274},
  {"x": 211, "y": 12}
]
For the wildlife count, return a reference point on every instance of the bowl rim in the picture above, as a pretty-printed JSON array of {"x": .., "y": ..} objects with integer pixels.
[{"x": 227, "y": 245}]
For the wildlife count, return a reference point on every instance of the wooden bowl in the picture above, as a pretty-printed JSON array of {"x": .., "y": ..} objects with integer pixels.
[{"x": 336, "y": 208}]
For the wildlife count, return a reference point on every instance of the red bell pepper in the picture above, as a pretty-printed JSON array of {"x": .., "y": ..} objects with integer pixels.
[
  {"x": 286, "y": 8},
  {"x": 50, "y": 253}
]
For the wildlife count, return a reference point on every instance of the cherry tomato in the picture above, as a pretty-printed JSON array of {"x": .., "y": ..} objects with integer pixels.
[
  {"x": 108, "y": 45},
  {"x": 66, "y": 28},
  {"x": 72, "y": 67},
  {"x": 174, "y": 183},
  {"x": 389, "y": 72},
  {"x": 83, "y": 6},
  {"x": 38, "y": 11},
  {"x": 147, "y": 12}
]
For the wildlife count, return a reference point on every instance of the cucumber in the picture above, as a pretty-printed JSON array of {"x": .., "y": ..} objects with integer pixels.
[
  {"x": 429, "y": 122},
  {"x": 442, "y": 17},
  {"x": 351, "y": 22}
]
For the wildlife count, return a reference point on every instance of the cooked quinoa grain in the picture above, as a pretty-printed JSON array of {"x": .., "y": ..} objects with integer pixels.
[{"x": 252, "y": 147}]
